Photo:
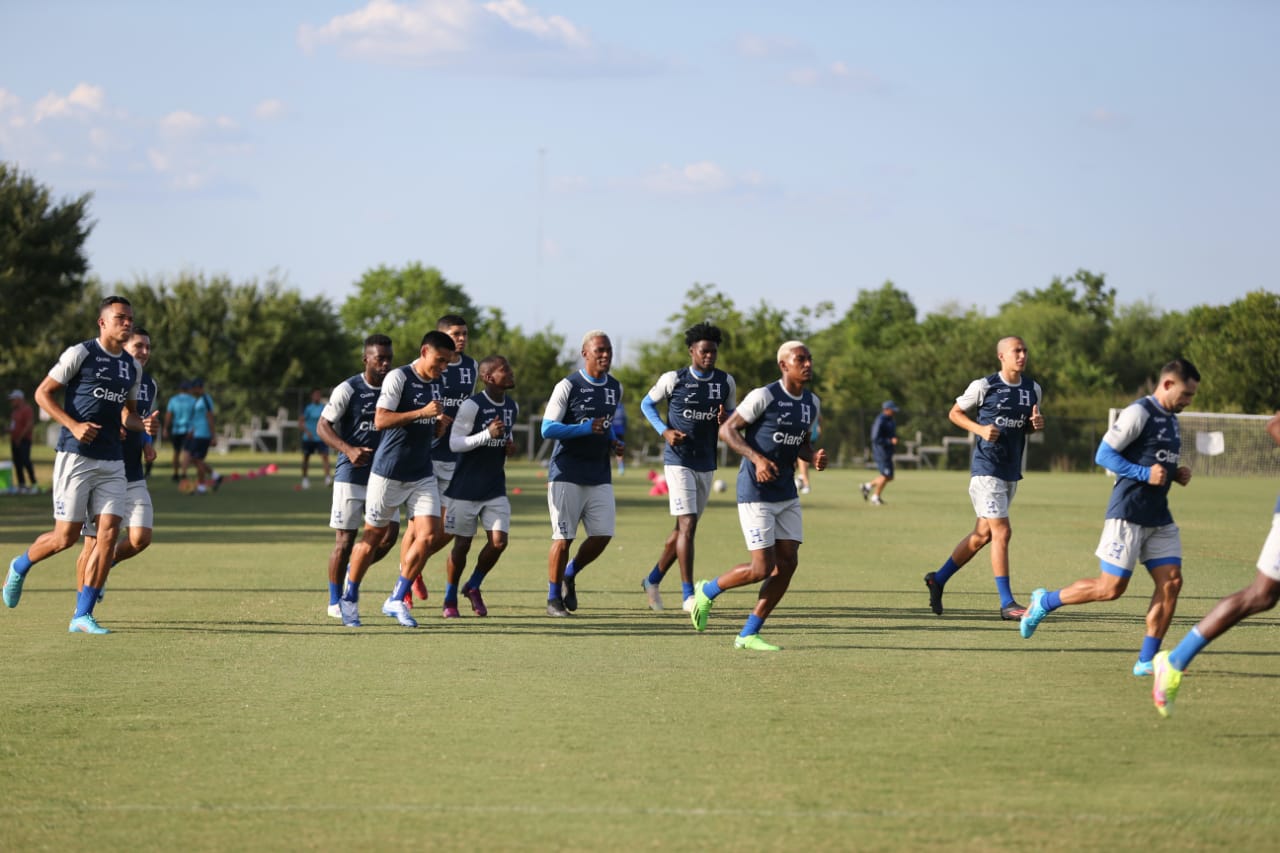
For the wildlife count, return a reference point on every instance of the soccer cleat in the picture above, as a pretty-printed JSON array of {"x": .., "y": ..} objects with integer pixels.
[
  {"x": 804, "y": 490},
  {"x": 935, "y": 593},
  {"x": 1012, "y": 612},
  {"x": 477, "y": 601},
  {"x": 397, "y": 611},
  {"x": 1031, "y": 618},
  {"x": 1143, "y": 668},
  {"x": 328, "y": 481},
  {"x": 13, "y": 585},
  {"x": 651, "y": 590},
  {"x": 450, "y": 611},
  {"x": 555, "y": 607},
  {"x": 701, "y": 607},
  {"x": 335, "y": 610},
  {"x": 217, "y": 482},
  {"x": 570, "y": 594},
  {"x": 350, "y": 612},
  {"x": 687, "y": 606},
  {"x": 1164, "y": 686},
  {"x": 753, "y": 643},
  {"x": 876, "y": 500},
  {"x": 306, "y": 484},
  {"x": 866, "y": 490},
  {"x": 420, "y": 588},
  {"x": 86, "y": 624}
]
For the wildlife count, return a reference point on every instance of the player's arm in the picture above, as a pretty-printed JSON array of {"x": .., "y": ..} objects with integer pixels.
[
  {"x": 557, "y": 406},
  {"x": 461, "y": 439},
  {"x": 731, "y": 433},
  {"x": 1128, "y": 426},
  {"x": 46, "y": 398}
]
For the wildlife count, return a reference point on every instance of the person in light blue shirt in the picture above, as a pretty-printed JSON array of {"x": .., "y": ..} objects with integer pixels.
[
  {"x": 1142, "y": 448},
  {"x": 177, "y": 423},
  {"x": 309, "y": 430}
]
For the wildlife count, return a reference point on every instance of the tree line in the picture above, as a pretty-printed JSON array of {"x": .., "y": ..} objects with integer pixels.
[{"x": 263, "y": 345}]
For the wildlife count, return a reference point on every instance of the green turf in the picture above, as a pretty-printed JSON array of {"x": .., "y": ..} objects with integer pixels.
[{"x": 227, "y": 711}]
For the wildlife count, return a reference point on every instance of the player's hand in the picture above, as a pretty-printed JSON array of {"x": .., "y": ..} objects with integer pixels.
[
  {"x": 360, "y": 456},
  {"x": 819, "y": 460},
  {"x": 85, "y": 431},
  {"x": 674, "y": 436},
  {"x": 151, "y": 424},
  {"x": 619, "y": 447},
  {"x": 721, "y": 414},
  {"x": 148, "y": 453},
  {"x": 1037, "y": 419},
  {"x": 431, "y": 410},
  {"x": 1159, "y": 475},
  {"x": 766, "y": 470},
  {"x": 496, "y": 428},
  {"x": 1182, "y": 476},
  {"x": 990, "y": 432},
  {"x": 599, "y": 425},
  {"x": 442, "y": 424},
  {"x": 511, "y": 448}
]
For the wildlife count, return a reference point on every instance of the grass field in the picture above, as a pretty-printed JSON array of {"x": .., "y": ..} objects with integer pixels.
[{"x": 227, "y": 711}]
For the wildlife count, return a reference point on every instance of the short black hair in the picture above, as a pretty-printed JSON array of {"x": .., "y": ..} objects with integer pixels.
[
  {"x": 377, "y": 341},
  {"x": 1181, "y": 368},
  {"x": 703, "y": 331},
  {"x": 108, "y": 301},
  {"x": 448, "y": 321},
  {"x": 438, "y": 340},
  {"x": 489, "y": 362},
  {"x": 138, "y": 330}
]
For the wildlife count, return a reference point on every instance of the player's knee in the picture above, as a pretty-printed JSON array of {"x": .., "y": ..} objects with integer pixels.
[{"x": 140, "y": 539}]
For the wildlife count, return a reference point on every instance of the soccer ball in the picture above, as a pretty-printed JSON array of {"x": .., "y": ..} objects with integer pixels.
[{"x": 719, "y": 486}]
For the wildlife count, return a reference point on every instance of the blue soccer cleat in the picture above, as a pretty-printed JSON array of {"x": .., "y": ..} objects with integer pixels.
[
  {"x": 350, "y": 613},
  {"x": 86, "y": 624},
  {"x": 398, "y": 611},
  {"x": 1143, "y": 668},
  {"x": 1035, "y": 613},
  {"x": 13, "y": 585}
]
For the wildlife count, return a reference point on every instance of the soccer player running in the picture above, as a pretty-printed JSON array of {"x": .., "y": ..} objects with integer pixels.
[
  {"x": 580, "y": 477},
  {"x": 101, "y": 382},
  {"x": 477, "y": 493},
  {"x": 1007, "y": 405},
  {"x": 138, "y": 448},
  {"x": 202, "y": 437},
  {"x": 1142, "y": 449},
  {"x": 695, "y": 400},
  {"x": 406, "y": 415},
  {"x": 770, "y": 430},
  {"x": 1259, "y": 596},
  {"x": 346, "y": 425},
  {"x": 309, "y": 429},
  {"x": 884, "y": 439},
  {"x": 177, "y": 424}
]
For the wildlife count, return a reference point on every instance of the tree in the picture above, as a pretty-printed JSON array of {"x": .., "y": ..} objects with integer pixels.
[
  {"x": 42, "y": 269},
  {"x": 405, "y": 304},
  {"x": 1235, "y": 348}
]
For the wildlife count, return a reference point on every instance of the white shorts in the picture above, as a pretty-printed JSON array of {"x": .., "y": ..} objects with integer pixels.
[
  {"x": 1269, "y": 559},
  {"x": 138, "y": 511},
  {"x": 84, "y": 487},
  {"x": 763, "y": 524},
  {"x": 465, "y": 517},
  {"x": 444, "y": 476},
  {"x": 571, "y": 503},
  {"x": 384, "y": 497},
  {"x": 688, "y": 490},
  {"x": 1126, "y": 544},
  {"x": 347, "y": 509},
  {"x": 991, "y": 496}
]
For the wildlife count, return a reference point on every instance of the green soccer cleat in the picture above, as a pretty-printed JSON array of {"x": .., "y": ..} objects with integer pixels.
[
  {"x": 13, "y": 586},
  {"x": 86, "y": 624},
  {"x": 753, "y": 643},
  {"x": 701, "y": 607},
  {"x": 1164, "y": 687}
]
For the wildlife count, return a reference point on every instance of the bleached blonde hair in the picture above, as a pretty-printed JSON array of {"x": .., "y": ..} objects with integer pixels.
[{"x": 788, "y": 347}]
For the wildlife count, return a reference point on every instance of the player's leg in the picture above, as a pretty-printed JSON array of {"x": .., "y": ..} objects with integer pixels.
[
  {"x": 346, "y": 514},
  {"x": 788, "y": 533},
  {"x": 96, "y": 570},
  {"x": 649, "y": 583},
  {"x": 73, "y": 484},
  {"x": 306, "y": 463},
  {"x": 382, "y": 500},
  {"x": 460, "y": 522},
  {"x": 1117, "y": 554},
  {"x": 82, "y": 559},
  {"x": 557, "y": 559},
  {"x": 137, "y": 523},
  {"x": 1166, "y": 578},
  {"x": 134, "y": 540}
]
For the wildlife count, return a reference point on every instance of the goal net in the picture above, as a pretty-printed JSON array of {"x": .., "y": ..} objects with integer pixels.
[{"x": 1220, "y": 445}]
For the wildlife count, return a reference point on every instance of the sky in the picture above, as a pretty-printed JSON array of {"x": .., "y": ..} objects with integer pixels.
[{"x": 582, "y": 164}]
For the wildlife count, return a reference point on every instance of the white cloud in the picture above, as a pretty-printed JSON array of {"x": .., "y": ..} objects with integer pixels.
[
  {"x": 9, "y": 101},
  {"x": 758, "y": 47},
  {"x": 702, "y": 177},
  {"x": 269, "y": 109},
  {"x": 389, "y": 30},
  {"x": 554, "y": 28},
  {"x": 83, "y": 99},
  {"x": 838, "y": 75},
  {"x": 182, "y": 123}
]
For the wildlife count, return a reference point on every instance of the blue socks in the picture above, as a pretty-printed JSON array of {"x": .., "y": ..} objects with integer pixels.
[
  {"x": 943, "y": 574},
  {"x": 570, "y": 570},
  {"x": 1150, "y": 645},
  {"x": 451, "y": 594},
  {"x": 335, "y": 592},
  {"x": 686, "y": 588},
  {"x": 22, "y": 564},
  {"x": 473, "y": 582},
  {"x": 403, "y": 585},
  {"x": 352, "y": 592},
  {"x": 711, "y": 589},
  {"x": 1185, "y": 652},
  {"x": 1051, "y": 601},
  {"x": 1006, "y": 594},
  {"x": 655, "y": 576},
  {"x": 85, "y": 599},
  {"x": 753, "y": 625},
  {"x": 553, "y": 590}
]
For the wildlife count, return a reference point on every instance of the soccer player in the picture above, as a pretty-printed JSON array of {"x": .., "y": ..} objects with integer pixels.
[
  {"x": 309, "y": 429},
  {"x": 770, "y": 430},
  {"x": 346, "y": 425},
  {"x": 1142, "y": 449},
  {"x": 884, "y": 438},
  {"x": 406, "y": 415},
  {"x": 177, "y": 424},
  {"x": 1259, "y": 596},
  {"x": 138, "y": 448},
  {"x": 695, "y": 400},
  {"x": 1007, "y": 404},
  {"x": 101, "y": 383},
  {"x": 580, "y": 485},
  {"x": 481, "y": 436}
]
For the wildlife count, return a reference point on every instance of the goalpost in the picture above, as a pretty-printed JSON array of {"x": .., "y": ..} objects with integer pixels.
[{"x": 1221, "y": 445}]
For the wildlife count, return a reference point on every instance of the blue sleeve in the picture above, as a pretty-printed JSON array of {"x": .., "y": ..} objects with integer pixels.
[
  {"x": 557, "y": 430},
  {"x": 650, "y": 409},
  {"x": 1108, "y": 457}
]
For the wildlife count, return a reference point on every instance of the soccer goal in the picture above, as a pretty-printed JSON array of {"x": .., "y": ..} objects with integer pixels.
[{"x": 1221, "y": 445}]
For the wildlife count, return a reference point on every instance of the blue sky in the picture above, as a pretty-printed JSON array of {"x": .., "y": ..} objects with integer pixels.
[{"x": 581, "y": 164}]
